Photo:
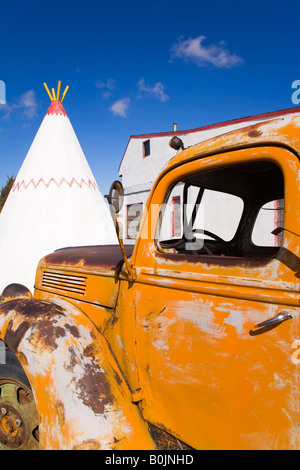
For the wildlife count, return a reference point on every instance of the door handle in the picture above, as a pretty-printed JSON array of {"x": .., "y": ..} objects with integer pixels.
[{"x": 279, "y": 318}]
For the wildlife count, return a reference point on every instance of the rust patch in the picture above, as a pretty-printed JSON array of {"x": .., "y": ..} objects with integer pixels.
[
  {"x": 228, "y": 261},
  {"x": 90, "y": 350},
  {"x": 60, "y": 409},
  {"x": 93, "y": 335},
  {"x": 13, "y": 338},
  {"x": 73, "y": 330},
  {"x": 111, "y": 321},
  {"x": 117, "y": 377},
  {"x": 94, "y": 389},
  {"x": 165, "y": 441},
  {"x": 32, "y": 308},
  {"x": 48, "y": 332},
  {"x": 43, "y": 312},
  {"x": 254, "y": 133},
  {"x": 73, "y": 359},
  {"x": 90, "y": 444},
  {"x": 22, "y": 358},
  {"x": 154, "y": 315},
  {"x": 101, "y": 256},
  {"x": 15, "y": 291}
]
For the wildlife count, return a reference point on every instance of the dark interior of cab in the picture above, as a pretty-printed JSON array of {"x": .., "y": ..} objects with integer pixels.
[{"x": 256, "y": 184}]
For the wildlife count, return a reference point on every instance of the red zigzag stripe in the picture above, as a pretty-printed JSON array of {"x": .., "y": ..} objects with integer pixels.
[{"x": 89, "y": 183}]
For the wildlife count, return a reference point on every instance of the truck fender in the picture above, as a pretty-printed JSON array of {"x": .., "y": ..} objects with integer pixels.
[
  {"x": 14, "y": 291},
  {"x": 81, "y": 397}
]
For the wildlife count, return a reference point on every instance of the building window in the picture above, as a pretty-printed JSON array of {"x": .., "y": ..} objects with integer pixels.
[
  {"x": 134, "y": 214},
  {"x": 270, "y": 217},
  {"x": 176, "y": 217},
  {"x": 146, "y": 148}
]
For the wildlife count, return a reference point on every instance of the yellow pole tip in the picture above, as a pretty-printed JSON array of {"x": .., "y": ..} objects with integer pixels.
[
  {"x": 64, "y": 94},
  {"x": 55, "y": 96},
  {"x": 48, "y": 91},
  {"x": 58, "y": 90}
]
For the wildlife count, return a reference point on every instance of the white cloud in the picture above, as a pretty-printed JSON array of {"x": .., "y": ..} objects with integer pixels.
[
  {"x": 109, "y": 84},
  {"x": 107, "y": 87},
  {"x": 26, "y": 103},
  {"x": 157, "y": 90},
  {"x": 192, "y": 50},
  {"x": 120, "y": 107}
]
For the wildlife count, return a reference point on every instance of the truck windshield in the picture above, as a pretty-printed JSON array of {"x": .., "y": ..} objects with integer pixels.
[{"x": 225, "y": 212}]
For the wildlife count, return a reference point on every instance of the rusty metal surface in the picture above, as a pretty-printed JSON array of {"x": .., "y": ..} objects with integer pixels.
[
  {"x": 18, "y": 416},
  {"x": 13, "y": 291},
  {"x": 81, "y": 396},
  {"x": 166, "y": 441},
  {"x": 88, "y": 276},
  {"x": 108, "y": 257}
]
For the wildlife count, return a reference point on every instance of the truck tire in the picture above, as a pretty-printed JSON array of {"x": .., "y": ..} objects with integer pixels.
[{"x": 18, "y": 414}]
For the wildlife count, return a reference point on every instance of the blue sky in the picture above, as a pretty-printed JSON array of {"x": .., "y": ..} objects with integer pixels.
[{"x": 136, "y": 67}]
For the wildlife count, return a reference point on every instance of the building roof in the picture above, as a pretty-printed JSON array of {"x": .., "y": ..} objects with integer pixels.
[{"x": 246, "y": 119}]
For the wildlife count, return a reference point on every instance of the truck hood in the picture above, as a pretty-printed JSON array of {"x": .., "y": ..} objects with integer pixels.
[
  {"x": 90, "y": 258},
  {"x": 86, "y": 273}
]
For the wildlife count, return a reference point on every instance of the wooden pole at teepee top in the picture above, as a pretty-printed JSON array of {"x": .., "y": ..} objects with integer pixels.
[
  {"x": 48, "y": 91},
  {"x": 58, "y": 90},
  {"x": 64, "y": 94},
  {"x": 55, "y": 96}
]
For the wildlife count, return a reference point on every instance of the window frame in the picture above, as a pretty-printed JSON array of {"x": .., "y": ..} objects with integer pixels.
[
  {"x": 174, "y": 199},
  {"x": 146, "y": 142},
  {"x": 250, "y": 255}
]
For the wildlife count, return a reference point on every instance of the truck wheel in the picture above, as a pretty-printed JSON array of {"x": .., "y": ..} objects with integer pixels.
[{"x": 18, "y": 414}]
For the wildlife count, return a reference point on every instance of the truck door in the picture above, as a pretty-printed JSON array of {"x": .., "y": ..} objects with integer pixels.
[{"x": 217, "y": 297}]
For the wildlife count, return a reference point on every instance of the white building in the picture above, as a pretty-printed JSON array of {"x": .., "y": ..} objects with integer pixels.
[{"x": 146, "y": 155}]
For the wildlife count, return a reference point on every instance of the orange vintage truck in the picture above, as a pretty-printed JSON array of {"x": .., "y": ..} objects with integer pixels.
[{"x": 186, "y": 342}]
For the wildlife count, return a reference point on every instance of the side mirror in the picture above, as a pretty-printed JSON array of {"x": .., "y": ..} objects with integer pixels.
[
  {"x": 116, "y": 196},
  {"x": 176, "y": 143},
  {"x": 115, "y": 199}
]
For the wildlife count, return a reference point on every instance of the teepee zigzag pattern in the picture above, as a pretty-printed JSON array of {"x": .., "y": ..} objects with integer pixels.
[{"x": 80, "y": 184}]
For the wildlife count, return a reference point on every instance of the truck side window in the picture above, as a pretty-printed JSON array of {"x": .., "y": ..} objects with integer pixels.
[
  {"x": 269, "y": 217},
  {"x": 225, "y": 212}
]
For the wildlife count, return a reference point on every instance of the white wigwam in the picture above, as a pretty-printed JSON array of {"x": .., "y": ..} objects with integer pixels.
[{"x": 55, "y": 201}]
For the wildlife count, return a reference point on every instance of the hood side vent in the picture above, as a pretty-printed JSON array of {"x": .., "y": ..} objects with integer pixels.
[{"x": 64, "y": 282}]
